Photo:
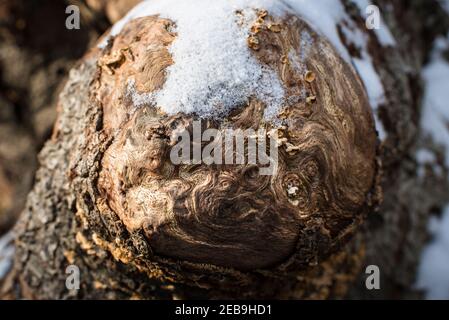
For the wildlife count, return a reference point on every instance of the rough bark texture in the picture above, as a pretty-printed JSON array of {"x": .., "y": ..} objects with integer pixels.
[
  {"x": 36, "y": 53},
  {"x": 68, "y": 221}
]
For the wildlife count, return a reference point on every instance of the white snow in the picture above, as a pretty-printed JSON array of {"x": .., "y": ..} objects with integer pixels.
[
  {"x": 445, "y": 5},
  {"x": 139, "y": 99},
  {"x": 433, "y": 275},
  {"x": 6, "y": 253},
  {"x": 214, "y": 70},
  {"x": 365, "y": 66},
  {"x": 374, "y": 86},
  {"x": 367, "y": 72},
  {"x": 435, "y": 114},
  {"x": 425, "y": 157},
  {"x": 324, "y": 16}
]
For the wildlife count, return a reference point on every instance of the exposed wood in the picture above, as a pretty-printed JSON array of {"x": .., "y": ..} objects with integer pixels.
[{"x": 75, "y": 213}]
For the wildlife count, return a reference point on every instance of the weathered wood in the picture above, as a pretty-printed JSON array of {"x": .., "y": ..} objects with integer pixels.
[{"x": 67, "y": 220}]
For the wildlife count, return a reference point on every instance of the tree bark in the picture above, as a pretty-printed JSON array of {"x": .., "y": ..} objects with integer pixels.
[
  {"x": 36, "y": 53},
  {"x": 61, "y": 224}
]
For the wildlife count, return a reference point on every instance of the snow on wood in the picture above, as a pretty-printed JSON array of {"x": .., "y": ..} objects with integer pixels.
[{"x": 214, "y": 70}]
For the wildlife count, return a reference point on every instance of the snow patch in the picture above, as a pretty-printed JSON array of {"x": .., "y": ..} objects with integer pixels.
[
  {"x": 214, "y": 70},
  {"x": 323, "y": 16},
  {"x": 138, "y": 99},
  {"x": 433, "y": 275},
  {"x": 374, "y": 88},
  {"x": 435, "y": 113},
  {"x": 426, "y": 157},
  {"x": 445, "y": 5},
  {"x": 367, "y": 72},
  {"x": 6, "y": 253}
]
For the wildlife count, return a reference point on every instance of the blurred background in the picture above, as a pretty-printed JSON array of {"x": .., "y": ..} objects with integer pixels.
[{"x": 36, "y": 53}]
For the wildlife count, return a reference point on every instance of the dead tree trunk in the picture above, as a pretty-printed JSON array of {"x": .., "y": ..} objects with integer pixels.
[{"x": 68, "y": 221}]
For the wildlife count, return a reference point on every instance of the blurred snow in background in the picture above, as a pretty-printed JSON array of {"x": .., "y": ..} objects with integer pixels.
[
  {"x": 6, "y": 253},
  {"x": 435, "y": 114},
  {"x": 445, "y": 4},
  {"x": 214, "y": 66},
  {"x": 433, "y": 275}
]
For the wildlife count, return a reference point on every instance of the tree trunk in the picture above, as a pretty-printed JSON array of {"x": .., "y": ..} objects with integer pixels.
[
  {"x": 61, "y": 224},
  {"x": 33, "y": 68}
]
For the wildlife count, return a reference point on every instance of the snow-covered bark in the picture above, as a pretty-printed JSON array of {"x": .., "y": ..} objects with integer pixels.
[{"x": 62, "y": 225}]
